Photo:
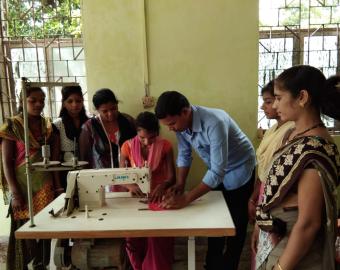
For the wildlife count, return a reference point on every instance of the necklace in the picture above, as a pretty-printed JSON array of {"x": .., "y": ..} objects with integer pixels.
[{"x": 308, "y": 129}]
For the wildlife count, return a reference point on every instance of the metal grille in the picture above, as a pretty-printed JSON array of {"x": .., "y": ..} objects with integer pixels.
[
  {"x": 298, "y": 32},
  {"x": 40, "y": 40}
]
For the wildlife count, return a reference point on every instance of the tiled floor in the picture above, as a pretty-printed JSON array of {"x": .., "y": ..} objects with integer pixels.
[{"x": 3, "y": 251}]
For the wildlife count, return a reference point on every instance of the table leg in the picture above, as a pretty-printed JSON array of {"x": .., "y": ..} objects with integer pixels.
[
  {"x": 191, "y": 253},
  {"x": 52, "y": 265}
]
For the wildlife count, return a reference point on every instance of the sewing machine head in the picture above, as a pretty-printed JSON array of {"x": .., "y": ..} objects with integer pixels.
[{"x": 87, "y": 187}]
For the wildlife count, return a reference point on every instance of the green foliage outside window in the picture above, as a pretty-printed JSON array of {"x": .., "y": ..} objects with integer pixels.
[{"x": 43, "y": 19}]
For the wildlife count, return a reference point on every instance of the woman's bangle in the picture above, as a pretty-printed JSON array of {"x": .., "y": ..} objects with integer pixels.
[
  {"x": 252, "y": 201},
  {"x": 279, "y": 265},
  {"x": 14, "y": 196},
  {"x": 59, "y": 189}
]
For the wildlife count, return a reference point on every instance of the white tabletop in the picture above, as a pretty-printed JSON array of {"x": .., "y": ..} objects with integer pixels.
[{"x": 122, "y": 217}]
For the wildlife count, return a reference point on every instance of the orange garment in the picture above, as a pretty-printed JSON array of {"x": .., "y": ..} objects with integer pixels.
[{"x": 160, "y": 173}]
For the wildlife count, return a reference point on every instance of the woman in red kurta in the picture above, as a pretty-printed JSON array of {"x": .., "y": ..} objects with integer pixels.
[{"x": 152, "y": 253}]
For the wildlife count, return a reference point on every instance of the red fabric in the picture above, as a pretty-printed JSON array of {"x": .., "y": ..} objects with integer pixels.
[
  {"x": 152, "y": 253},
  {"x": 114, "y": 136},
  {"x": 155, "y": 207}
]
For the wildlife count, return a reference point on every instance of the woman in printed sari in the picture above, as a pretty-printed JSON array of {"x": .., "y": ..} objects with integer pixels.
[
  {"x": 23, "y": 252},
  {"x": 298, "y": 210},
  {"x": 271, "y": 141},
  {"x": 151, "y": 253}
]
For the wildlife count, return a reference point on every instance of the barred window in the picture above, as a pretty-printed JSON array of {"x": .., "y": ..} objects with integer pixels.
[
  {"x": 40, "y": 40},
  {"x": 298, "y": 32}
]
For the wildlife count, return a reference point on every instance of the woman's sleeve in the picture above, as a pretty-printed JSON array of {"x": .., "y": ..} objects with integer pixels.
[{"x": 125, "y": 149}]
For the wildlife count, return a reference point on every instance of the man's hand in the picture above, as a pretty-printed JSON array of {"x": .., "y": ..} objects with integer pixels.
[
  {"x": 175, "y": 201},
  {"x": 176, "y": 189}
]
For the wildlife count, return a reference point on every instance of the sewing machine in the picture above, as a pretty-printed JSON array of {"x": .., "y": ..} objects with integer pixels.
[
  {"x": 94, "y": 235},
  {"x": 124, "y": 217},
  {"x": 86, "y": 191},
  {"x": 86, "y": 188}
]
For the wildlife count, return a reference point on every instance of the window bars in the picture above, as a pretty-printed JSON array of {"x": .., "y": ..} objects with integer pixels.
[
  {"x": 40, "y": 40},
  {"x": 296, "y": 32}
]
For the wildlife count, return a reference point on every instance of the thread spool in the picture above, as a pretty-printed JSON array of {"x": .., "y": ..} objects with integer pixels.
[
  {"x": 74, "y": 161},
  {"x": 86, "y": 212},
  {"x": 45, "y": 151}
]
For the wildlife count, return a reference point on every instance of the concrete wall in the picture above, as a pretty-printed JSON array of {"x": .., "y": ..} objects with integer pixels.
[{"x": 208, "y": 50}]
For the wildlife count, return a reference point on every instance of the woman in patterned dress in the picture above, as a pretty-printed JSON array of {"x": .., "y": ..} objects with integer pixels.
[
  {"x": 298, "y": 210},
  {"x": 71, "y": 117}
]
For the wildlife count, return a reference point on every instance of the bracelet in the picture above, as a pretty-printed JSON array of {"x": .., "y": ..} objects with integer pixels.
[
  {"x": 279, "y": 265},
  {"x": 14, "y": 196},
  {"x": 59, "y": 189},
  {"x": 252, "y": 201}
]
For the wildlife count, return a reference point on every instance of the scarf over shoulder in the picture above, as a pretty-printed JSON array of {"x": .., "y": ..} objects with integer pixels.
[{"x": 271, "y": 141}]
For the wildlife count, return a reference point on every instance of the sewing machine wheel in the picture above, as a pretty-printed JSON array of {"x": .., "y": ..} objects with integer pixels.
[
  {"x": 70, "y": 163},
  {"x": 49, "y": 164},
  {"x": 88, "y": 254}
]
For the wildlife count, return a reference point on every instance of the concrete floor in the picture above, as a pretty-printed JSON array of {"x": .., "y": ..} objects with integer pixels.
[
  {"x": 201, "y": 248},
  {"x": 180, "y": 254}
]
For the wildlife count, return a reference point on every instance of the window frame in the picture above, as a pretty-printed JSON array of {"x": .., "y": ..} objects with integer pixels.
[{"x": 298, "y": 51}]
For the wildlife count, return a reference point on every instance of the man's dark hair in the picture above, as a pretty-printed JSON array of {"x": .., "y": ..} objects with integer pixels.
[{"x": 170, "y": 103}]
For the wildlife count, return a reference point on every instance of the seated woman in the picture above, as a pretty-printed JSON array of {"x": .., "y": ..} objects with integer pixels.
[
  {"x": 299, "y": 206},
  {"x": 102, "y": 136},
  {"x": 147, "y": 147},
  {"x": 44, "y": 186}
]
